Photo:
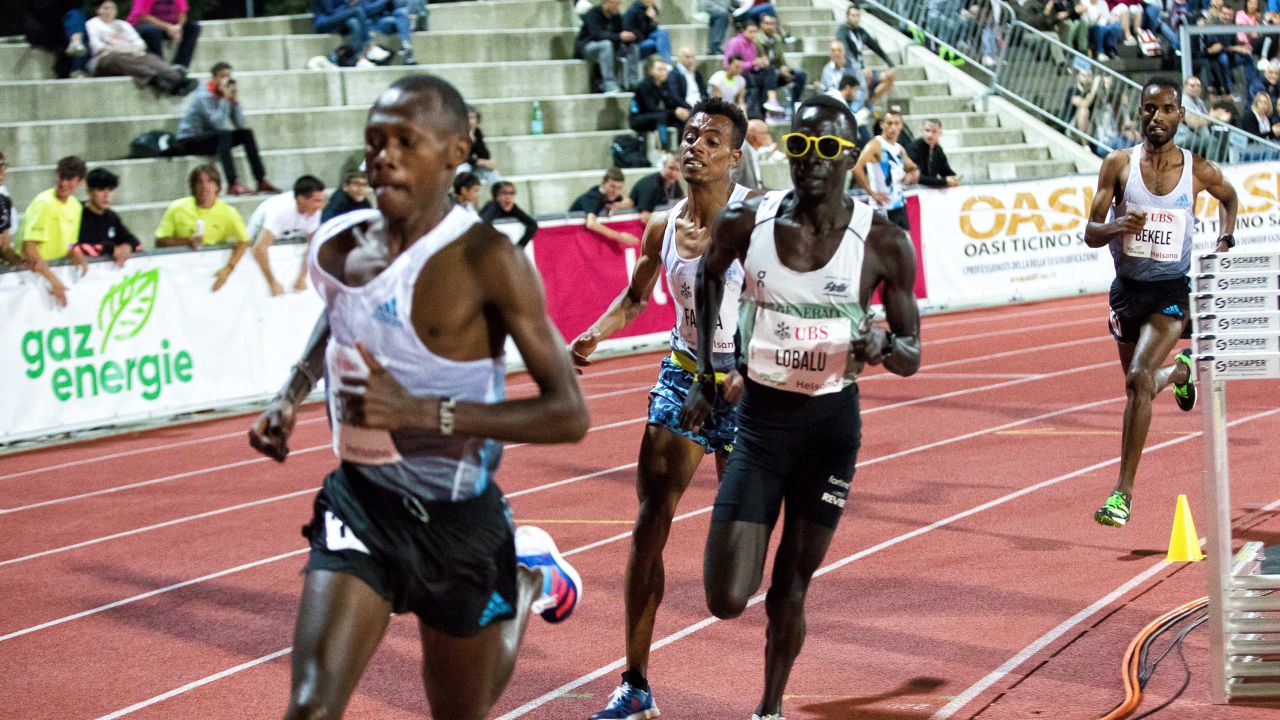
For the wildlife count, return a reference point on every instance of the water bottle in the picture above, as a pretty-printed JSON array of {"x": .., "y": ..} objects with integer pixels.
[{"x": 535, "y": 120}]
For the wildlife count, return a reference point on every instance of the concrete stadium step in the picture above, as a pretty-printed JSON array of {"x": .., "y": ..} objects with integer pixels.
[
  {"x": 914, "y": 89},
  {"x": 272, "y": 25},
  {"x": 1026, "y": 169},
  {"x": 153, "y": 180},
  {"x": 930, "y": 105},
  {"x": 981, "y": 137},
  {"x": 953, "y": 121},
  {"x": 101, "y": 140},
  {"x": 972, "y": 163},
  {"x": 553, "y": 193},
  {"x": 291, "y": 89}
]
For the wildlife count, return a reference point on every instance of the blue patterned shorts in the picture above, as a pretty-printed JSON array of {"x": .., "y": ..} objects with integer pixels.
[{"x": 667, "y": 397}]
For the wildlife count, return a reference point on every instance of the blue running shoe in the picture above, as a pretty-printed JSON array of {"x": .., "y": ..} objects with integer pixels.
[
  {"x": 629, "y": 703},
  {"x": 561, "y": 584}
]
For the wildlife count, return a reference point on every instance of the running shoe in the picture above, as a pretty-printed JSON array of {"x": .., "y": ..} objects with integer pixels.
[
  {"x": 1185, "y": 394},
  {"x": 629, "y": 703},
  {"x": 1115, "y": 511},
  {"x": 561, "y": 584}
]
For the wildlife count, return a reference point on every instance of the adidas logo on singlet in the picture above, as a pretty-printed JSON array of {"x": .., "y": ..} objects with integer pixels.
[{"x": 386, "y": 314}]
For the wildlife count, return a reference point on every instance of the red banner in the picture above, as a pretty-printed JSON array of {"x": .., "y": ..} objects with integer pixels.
[{"x": 583, "y": 272}]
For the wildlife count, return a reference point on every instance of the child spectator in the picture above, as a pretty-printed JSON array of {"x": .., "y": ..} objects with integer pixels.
[
  {"x": 288, "y": 216},
  {"x": 353, "y": 195},
  {"x": 58, "y": 27},
  {"x": 603, "y": 201},
  {"x": 118, "y": 50},
  {"x": 51, "y": 225},
  {"x": 160, "y": 20},
  {"x": 503, "y": 206},
  {"x": 214, "y": 123},
  {"x": 202, "y": 219},
  {"x": 466, "y": 191},
  {"x": 102, "y": 233},
  {"x": 654, "y": 108}
]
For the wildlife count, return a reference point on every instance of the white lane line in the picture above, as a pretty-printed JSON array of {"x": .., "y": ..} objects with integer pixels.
[
  {"x": 998, "y": 316},
  {"x": 151, "y": 593},
  {"x": 193, "y": 685},
  {"x": 970, "y": 376},
  {"x": 139, "y": 451},
  {"x": 157, "y": 526},
  {"x": 929, "y": 342},
  {"x": 973, "y": 691},
  {"x": 624, "y": 535},
  {"x": 573, "y": 684},
  {"x": 569, "y": 481},
  {"x": 1043, "y": 641},
  {"x": 588, "y": 375},
  {"x": 154, "y": 481},
  {"x": 869, "y": 411}
]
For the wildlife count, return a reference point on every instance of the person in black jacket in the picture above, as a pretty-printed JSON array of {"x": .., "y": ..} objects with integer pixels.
[
  {"x": 927, "y": 153},
  {"x": 654, "y": 108},
  {"x": 102, "y": 233},
  {"x": 678, "y": 80},
  {"x": 641, "y": 19},
  {"x": 352, "y": 195},
  {"x": 503, "y": 206},
  {"x": 600, "y": 40}
]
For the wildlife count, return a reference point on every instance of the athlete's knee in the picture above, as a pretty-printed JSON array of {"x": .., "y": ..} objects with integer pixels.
[
  {"x": 785, "y": 601},
  {"x": 1140, "y": 383},
  {"x": 726, "y": 603}
]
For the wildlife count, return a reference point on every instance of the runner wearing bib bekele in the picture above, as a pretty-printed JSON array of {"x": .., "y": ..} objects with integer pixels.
[
  {"x": 1144, "y": 211},
  {"x": 812, "y": 257}
]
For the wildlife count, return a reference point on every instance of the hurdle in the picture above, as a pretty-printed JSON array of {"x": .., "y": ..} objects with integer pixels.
[{"x": 1237, "y": 338}]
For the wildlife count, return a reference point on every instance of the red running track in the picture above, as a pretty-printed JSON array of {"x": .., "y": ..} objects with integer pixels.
[{"x": 156, "y": 575}]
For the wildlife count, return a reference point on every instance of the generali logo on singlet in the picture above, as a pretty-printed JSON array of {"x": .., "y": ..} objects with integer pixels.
[
  {"x": 1161, "y": 238},
  {"x": 802, "y": 355}
]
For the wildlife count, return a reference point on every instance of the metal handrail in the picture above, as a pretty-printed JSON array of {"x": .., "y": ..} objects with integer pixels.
[{"x": 1035, "y": 70}]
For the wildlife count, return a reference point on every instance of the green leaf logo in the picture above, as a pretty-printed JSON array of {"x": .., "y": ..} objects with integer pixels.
[{"x": 126, "y": 307}]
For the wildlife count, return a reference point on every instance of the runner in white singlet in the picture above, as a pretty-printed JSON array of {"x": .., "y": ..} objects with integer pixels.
[
  {"x": 669, "y": 455},
  {"x": 884, "y": 170},
  {"x": 420, "y": 298},
  {"x": 812, "y": 258},
  {"x": 1144, "y": 211}
]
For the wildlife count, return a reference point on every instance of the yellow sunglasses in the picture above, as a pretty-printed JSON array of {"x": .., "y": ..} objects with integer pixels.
[{"x": 828, "y": 147}]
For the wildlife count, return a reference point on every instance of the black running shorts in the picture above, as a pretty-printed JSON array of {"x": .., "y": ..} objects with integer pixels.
[
  {"x": 790, "y": 448},
  {"x": 453, "y": 564},
  {"x": 1133, "y": 301}
]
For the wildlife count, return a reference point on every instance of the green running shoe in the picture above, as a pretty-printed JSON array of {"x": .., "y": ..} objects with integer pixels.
[
  {"x": 1115, "y": 511},
  {"x": 1185, "y": 394}
]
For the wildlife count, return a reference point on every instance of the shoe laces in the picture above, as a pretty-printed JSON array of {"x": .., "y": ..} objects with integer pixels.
[
  {"x": 621, "y": 693},
  {"x": 1118, "y": 501}
]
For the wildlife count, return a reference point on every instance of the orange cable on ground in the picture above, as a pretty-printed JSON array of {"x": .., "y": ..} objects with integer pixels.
[{"x": 1132, "y": 655}]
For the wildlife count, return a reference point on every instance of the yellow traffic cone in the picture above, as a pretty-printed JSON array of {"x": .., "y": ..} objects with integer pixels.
[{"x": 1184, "y": 542}]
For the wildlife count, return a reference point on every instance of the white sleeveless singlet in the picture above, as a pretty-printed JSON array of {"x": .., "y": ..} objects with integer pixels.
[
  {"x": 796, "y": 327},
  {"x": 429, "y": 466},
  {"x": 682, "y": 279},
  {"x": 1163, "y": 250}
]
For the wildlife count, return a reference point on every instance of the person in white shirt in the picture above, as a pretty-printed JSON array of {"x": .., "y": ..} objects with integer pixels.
[
  {"x": 288, "y": 216},
  {"x": 685, "y": 82},
  {"x": 729, "y": 85},
  {"x": 118, "y": 50}
]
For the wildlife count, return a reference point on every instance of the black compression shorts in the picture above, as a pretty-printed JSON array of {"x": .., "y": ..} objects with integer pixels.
[
  {"x": 790, "y": 448},
  {"x": 1133, "y": 301},
  {"x": 453, "y": 564}
]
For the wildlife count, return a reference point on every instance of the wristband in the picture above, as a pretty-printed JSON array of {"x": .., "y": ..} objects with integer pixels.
[
  {"x": 1229, "y": 239},
  {"x": 306, "y": 373},
  {"x": 446, "y": 415}
]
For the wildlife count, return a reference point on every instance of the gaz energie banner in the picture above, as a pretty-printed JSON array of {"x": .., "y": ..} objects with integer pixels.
[{"x": 146, "y": 340}]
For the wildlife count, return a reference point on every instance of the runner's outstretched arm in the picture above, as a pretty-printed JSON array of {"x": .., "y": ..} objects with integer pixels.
[
  {"x": 730, "y": 237},
  {"x": 270, "y": 432},
  {"x": 632, "y": 300}
]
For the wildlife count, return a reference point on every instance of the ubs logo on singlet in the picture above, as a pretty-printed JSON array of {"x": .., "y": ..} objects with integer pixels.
[{"x": 1157, "y": 216}]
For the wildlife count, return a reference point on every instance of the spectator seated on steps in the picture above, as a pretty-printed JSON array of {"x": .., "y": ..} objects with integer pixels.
[
  {"x": 600, "y": 41},
  {"x": 160, "y": 20},
  {"x": 214, "y": 123},
  {"x": 57, "y": 26},
  {"x": 117, "y": 49},
  {"x": 654, "y": 108}
]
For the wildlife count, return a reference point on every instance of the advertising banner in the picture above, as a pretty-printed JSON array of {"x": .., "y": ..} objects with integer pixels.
[
  {"x": 997, "y": 243},
  {"x": 150, "y": 339},
  {"x": 583, "y": 273}
]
